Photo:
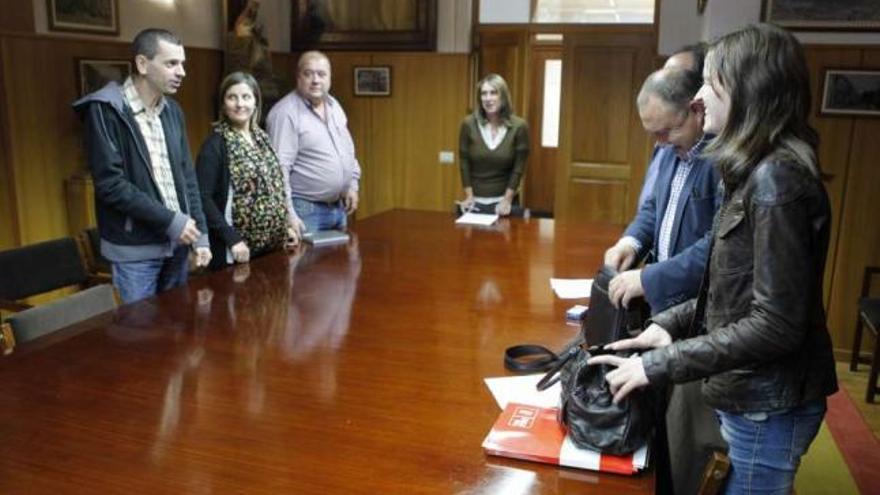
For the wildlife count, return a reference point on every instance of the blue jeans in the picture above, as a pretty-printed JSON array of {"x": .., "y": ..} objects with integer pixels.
[
  {"x": 318, "y": 215},
  {"x": 766, "y": 449},
  {"x": 137, "y": 280}
]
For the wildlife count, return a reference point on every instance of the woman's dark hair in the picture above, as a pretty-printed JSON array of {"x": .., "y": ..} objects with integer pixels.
[{"x": 763, "y": 69}]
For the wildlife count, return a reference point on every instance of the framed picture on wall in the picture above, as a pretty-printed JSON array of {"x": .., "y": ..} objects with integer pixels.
[
  {"x": 851, "y": 93},
  {"x": 85, "y": 16},
  {"x": 372, "y": 81},
  {"x": 841, "y": 15},
  {"x": 93, "y": 74},
  {"x": 363, "y": 24}
]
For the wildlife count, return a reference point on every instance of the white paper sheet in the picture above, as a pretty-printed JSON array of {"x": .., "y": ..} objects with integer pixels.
[
  {"x": 477, "y": 219},
  {"x": 521, "y": 389},
  {"x": 572, "y": 288}
]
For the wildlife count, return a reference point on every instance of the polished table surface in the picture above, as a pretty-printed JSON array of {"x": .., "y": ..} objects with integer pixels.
[{"x": 344, "y": 369}]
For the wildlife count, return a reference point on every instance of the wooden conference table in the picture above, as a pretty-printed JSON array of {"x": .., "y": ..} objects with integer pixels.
[{"x": 346, "y": 369}]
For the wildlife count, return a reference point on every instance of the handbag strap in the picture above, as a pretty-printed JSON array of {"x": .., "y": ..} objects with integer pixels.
[
  {"x": 552, "y": 376},
  {"x": 529, "y": 358}
]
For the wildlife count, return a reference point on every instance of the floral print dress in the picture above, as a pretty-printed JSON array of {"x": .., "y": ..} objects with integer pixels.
[{"x": 259, "y": 210}]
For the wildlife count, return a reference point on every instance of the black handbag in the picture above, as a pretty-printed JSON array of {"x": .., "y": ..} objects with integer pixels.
[
  {"x": 605, "y": 323},
  {"x": 587, "y": 410},
  {"x": 592, "y": 418}
]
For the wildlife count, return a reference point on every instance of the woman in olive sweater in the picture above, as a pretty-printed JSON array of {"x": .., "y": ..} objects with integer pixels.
[{"x": 493, "y": 148}]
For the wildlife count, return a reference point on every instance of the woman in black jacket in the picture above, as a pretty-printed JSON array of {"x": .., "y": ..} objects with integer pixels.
[
  {"x": 759, "y": 338},
  {"x": 240, "y": 180}
]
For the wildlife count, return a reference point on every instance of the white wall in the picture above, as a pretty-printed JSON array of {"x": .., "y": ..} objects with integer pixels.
[
  {"x": 680, "y": 25},
  {"x": 454, "y": 26},
  {"x": 504, "y": 11}
]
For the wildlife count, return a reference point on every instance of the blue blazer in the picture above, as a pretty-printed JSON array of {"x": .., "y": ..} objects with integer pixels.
[{"x": 677, "y": 278}]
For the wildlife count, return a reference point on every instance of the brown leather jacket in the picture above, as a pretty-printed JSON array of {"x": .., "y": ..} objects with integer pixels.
[{"x": 765, "y": 345}]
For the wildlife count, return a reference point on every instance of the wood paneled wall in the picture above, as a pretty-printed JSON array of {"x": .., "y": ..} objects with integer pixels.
[
  {"x": 848, "y": 152},
  {"x": 398, "y": 138},
  {"x": 43, "y": 137}
]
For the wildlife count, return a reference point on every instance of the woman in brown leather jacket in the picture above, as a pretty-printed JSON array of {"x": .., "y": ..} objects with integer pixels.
[{"x": 759, "y": 342}]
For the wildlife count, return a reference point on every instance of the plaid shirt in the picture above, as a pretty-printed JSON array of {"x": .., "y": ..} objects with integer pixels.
[
  {"x": 683, "y": 167},
  {"x": 154, "y": 135}
]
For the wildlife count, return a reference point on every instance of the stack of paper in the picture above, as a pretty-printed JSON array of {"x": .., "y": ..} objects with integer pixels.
[
  {"x": 477, "y": 219},
  {"x": 572, "y": 288}
]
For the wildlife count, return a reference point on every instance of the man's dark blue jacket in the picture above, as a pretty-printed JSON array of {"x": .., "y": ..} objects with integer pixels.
[{"x": 677, "y": 278}]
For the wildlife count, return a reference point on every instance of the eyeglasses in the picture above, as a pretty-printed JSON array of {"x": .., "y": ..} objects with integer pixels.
[{"x": 663, "y": 134}]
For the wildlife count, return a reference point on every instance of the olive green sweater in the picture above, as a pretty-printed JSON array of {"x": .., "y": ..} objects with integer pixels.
[{"x": 491, "y": 172}]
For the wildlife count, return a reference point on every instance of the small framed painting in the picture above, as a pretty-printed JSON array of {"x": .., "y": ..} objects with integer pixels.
[
  {"x": 93, "y": 74},
  {"x": 372, "y": 81},
  {"x": 85, "y": 16},
  {"x": 824, "y": 15},
  {"x": 851, "y": 93}
]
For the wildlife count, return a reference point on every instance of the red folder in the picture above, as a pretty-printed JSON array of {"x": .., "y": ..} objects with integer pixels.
[{"x": 533, "y": 433}]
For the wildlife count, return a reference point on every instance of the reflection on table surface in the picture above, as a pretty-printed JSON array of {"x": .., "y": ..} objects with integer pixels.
[{"x": 343, "y": 369}]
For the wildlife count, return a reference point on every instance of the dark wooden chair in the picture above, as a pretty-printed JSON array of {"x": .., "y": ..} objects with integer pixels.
[
  {"x": 97, "y": 265},
  {"x": 46, "y": 318},
  {"x": 39, "y": 268},
  {"x": 715, "y": 474},
  {"x": 868, "y": 316}
]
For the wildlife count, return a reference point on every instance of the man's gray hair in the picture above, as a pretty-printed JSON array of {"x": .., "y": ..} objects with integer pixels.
[{"x": 673, "y": 86}]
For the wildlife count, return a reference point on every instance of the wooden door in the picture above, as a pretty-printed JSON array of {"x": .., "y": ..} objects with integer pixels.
[
  {"x": 540, "y": 178},
  {"x": 504, "y": 51},
  {"x": 603, "y": 149}
]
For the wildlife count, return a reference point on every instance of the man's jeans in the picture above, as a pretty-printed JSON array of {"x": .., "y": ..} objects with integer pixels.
[
  {"x": 766, "y": 449},
  {"x": 137, "y": 280},
  {"x": 318, "y": 215}
]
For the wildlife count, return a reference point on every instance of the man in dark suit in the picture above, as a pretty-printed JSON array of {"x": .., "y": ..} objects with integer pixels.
[{"x": 669, "y": 230}]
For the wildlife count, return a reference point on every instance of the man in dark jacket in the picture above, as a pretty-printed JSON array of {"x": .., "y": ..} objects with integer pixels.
[
  {"x": 671, "y": 232},
  {"x": 146, "y": 196}
]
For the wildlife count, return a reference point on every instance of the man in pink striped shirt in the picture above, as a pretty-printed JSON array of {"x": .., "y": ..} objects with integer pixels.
[{"x": 309, "y": 131}]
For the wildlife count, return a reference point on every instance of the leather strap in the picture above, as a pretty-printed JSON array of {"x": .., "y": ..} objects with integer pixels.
[
  {"x": 552, "y": 376},
  {"x": 529, "y": 358}
]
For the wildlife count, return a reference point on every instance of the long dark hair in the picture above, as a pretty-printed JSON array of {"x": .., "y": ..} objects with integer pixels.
[{"x": 763, "y": 69}]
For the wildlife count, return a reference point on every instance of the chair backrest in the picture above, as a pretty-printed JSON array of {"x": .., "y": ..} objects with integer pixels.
[
  {"x": 41, "y": 267},
  {"x": 47, "y": 318},
  {"x": 97, "y": 262}
]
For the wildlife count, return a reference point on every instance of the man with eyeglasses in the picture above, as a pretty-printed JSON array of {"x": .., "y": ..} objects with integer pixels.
[
  {"x": 670, "y": 225},
  {"x": 690, "y": 58},
  {"x": 671, "y": 233}
]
